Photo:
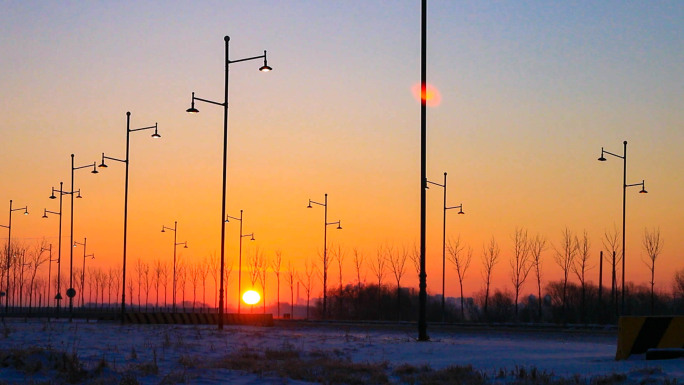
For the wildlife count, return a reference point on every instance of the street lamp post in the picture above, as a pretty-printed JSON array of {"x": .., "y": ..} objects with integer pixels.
[
  {"x": 125, "y": 230},
  {"x": 85, "y": 240},
  {"x": 460, "y": 207},
  {"x": 193, "y": 110},
  {"x": 9, "y": 249},
  {"x": 71, "y": 292},
  {"x": 325, "y": 246},
  {"x": 240, "y": 256},
  {"x": 624, "y": 199},
  {"x": 175, "y": 243}
]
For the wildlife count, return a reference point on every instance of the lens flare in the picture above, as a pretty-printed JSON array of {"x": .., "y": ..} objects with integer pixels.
[
  {"x": 251, "y": 297},
  {"x": 431, "y": 96}
]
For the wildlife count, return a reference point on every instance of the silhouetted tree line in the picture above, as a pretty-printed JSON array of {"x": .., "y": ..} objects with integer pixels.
[{"x": 373, "y": 302}]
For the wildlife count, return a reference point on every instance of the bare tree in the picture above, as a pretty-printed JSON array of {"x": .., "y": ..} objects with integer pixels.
[
  {"x": 611, "y": 243},
  {"x": 36, "y": 259},
  {"x": 116, "y": 274},
  {"x": 276, "y": 264},
  {"x": 214, "y": 271},
  {"x": 291, "y": 279},
  {"x": 653, "y": 246},
  {"x": 415, "y": 259},
  {"x": 581, "y": 266},
  {"x": 262, "y": 279},
  {"x": 93, "y": 281},
  {"x": 203, "y": 272},
  {"x": 520, "y": 263},
  {"x": 227, "y": 269},
  {"x": 460, "y": 258},
  {"x": 156, "y": 279},
  {"x": 565, "y": 258},
  {"x": 397, "y": 262},
  {"x": 195, "y": 275},
  {"x": 139, "y": 269},
  {"x": 181, "y": 279},
  {"x": 537, "y": 247},
  {"x": 307, "y": 282},
  {"x": 490, "y": 257},
  {"x": 165, "y": 272},
  {"x": 358, "y": 263},
  {"x": 339, "y": 256},
  {"x": 147, "y": 282},
  {"x": 377, "y": 266},
  {"x": 678, "y": 284}
]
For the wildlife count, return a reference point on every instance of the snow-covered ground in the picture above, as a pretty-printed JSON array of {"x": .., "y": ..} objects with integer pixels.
[{"x": 154, "y": 354}]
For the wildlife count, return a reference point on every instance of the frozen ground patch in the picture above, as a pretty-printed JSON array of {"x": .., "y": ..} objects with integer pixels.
[{"x": 103, "y": 353}]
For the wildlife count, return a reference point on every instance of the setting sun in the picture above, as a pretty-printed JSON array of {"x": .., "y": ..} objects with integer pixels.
[{"x": 251, "y": 297}]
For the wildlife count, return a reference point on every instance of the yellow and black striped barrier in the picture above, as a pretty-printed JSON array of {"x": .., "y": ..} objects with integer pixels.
[
  {"x": 636, "y": 335},
  {"x": 199, "y": 318}
]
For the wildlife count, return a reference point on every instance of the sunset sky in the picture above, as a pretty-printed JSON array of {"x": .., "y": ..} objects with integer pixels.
[{"x": 530, "y": 92}]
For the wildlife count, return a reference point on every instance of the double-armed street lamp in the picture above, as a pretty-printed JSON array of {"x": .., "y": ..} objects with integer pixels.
[
  {"x": 251, "y": 235},
  {"x": 9, "y": 249},
  {"x": 624, "y": 199},
  {"x": 126, "y": 161},
  {"x": 58, "y": 296},
  {"x": 175, "y": 243},
  {"x": 224, "y": 104},
  {"x": 325, "y": 245},
  {"x": 71, "y": 292},
  {"x": 460, "y": 211},
  {"x": 85, "y": 240}
]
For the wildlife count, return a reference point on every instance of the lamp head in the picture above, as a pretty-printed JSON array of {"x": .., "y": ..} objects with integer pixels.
[
  {"x": 460, "y": 211},
  {"x": 156, "y": 134},
  {"x": 53, "y": 194},
  {"x": 163, "y": 231},
  {"x": 192, "y": 109},
  {"x": 227, "y": 220},
  {"x": 643, "y": 188},
  {"x": 103, "y": 165},
  {"x": 339, "y": 225},
  {"x": 45, "y": 213},
  {"x": 265, "y": 67},
  {"x": 26, "y": 210},
  {"x": 601, "y": 158},
  {"x": 309, "y": 206},
  {"x": 252, "y": 238},
  {"x": 94, "y": 169},
  {"x": 186, "y": 245},
  {"x": 79, "y": 195}
]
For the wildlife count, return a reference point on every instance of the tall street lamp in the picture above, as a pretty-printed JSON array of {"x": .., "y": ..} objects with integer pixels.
[
  {"x": 325, "y": 246},
  {"x": 58, "y": 296},
  {"x": 71, "y": 292},
  {"x": 9, "y": 249},
  {"x": 175, "y": 243},
  {"x": 126, "y": 161},
  {"x": 624, "y": 199},
  {"x": 193, "y": 110},
  {"x": 422, "y": 275},
  {"x": 460, "y": 207},
  {"x": 85, "y": 240},
  {"x": 240, "y": 256}
]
